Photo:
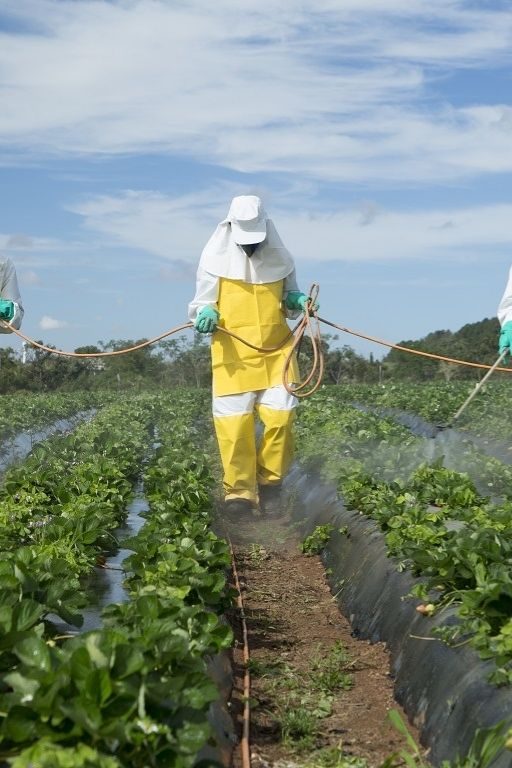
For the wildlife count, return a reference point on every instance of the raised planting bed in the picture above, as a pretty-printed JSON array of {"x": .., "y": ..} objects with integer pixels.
[
  {"x": 444, "y": 690},
  {"x": 413, "y": 534},
  {"x": 142, "y": 689},
  {"x": 29, "y": 412}
]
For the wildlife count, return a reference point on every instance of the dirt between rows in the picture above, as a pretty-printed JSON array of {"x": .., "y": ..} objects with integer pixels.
[{"x": 293, "y": 618}]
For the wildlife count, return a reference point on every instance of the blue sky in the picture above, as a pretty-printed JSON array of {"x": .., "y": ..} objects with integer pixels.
[{"x": 378, "y": 133}]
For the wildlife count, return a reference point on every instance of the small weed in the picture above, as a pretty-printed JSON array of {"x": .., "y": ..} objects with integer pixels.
[
  {"x": 321, "y": 707},
  {"x": 334, "y": 757},
  {"x": 316, "y": 541},
  {"x": 329, "y": 671},
  {"x": 265, "y": 668},
  {"x": 288, "y": 681},
  {"x": 257, "y": 553},
  {"x": 299, "y": 727},
  {"x": 302, "y": 701}
]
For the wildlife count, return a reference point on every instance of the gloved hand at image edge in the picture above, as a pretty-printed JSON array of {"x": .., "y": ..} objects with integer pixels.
[
  {"x": 6, "y": 309},
  {"x": 299, "y": 300},
  {"x": 206, "y": 320},
  {"x": 505, "y": 341}
]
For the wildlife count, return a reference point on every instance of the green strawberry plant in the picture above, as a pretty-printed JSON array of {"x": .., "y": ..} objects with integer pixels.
[
  {"x": 435, "y": 521},
  {"x": 137, "y": 690}
]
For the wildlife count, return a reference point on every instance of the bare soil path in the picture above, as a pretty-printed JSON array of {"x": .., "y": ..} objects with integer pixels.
[{"x": 319, "y": 696}]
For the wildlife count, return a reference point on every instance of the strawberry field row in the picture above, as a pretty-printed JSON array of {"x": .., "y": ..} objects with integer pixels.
[
  {"x": 437, "y": 402},
  {"x": 436, "y": 523},
  {"x": 136, "y": 691},
  {"x": 29, "y": 411}
]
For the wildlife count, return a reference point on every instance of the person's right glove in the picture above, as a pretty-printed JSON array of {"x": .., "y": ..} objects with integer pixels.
[
  {"x": 206, "y": 320},
  {"x": 505, "y": 342},
  {"x": 298, "y": 300},
  {"x": 6, "y": 309}
]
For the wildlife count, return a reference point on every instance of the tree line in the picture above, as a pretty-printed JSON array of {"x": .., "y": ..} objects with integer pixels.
[{"x": 474, "y": 342}]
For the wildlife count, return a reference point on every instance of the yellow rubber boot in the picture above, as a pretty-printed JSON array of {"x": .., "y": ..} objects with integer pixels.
[
  {"x": 237, "y": 446},
  {"x": 275, "y": 452}
]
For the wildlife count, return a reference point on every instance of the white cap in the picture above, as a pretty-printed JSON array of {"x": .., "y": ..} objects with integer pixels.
[{"x": 248, "y": 219}]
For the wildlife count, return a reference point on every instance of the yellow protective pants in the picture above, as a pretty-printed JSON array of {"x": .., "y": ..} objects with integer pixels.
[{"x": 246, "y": 462}]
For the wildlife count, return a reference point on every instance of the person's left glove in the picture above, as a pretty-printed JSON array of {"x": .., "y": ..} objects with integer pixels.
[
  {"x": 299, "y": 300},
  {"x": 505, "y": 342},
  {"x": 206, "y": 320},
  {"x": 6, "y": 309}
]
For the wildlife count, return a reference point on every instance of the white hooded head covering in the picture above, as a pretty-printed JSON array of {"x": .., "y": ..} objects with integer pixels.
[{"x": 246, "y": 223}]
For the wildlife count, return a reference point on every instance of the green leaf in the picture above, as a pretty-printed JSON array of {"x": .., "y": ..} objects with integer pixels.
[
  {"x": 25, "y": 686},
  {"x": 84, "y": 713},
  {"x": 5, "y": 618},
  {"x": 48, "y": 755},
  {"x": 34, "y": 653},
  {"x": 20, "y": 725},
  {"x": 98, "y": 686},
  {"x": 92, "y": 643},
  {"x": 80, "y": 664},
  {"x": 129, "y": 659},
  {"x": 401, "y": 727}
]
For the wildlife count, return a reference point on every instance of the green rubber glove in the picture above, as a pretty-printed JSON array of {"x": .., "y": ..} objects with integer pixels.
[
  {"x": 206, "y": 320},
  {"x": 6, "y": 309},
  {"x": 298, "y": 300},
  {"x": 505, "y": 342}
]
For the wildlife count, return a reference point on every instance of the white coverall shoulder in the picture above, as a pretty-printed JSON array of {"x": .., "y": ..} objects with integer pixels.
[
  {"x": 9, "y": 290},
  {"x": 505, "y": 306}
]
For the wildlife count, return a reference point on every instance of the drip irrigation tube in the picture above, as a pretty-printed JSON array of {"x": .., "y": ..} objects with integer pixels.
[{"x": 245, "y": 750}]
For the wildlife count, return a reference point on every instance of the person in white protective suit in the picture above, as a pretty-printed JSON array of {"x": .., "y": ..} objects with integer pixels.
[
  {"x": 11, "y": 309},
  {"x": 246, "y": 283}
]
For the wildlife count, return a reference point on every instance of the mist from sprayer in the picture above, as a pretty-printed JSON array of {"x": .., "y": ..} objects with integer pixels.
[{"x": 482, "y": 458}]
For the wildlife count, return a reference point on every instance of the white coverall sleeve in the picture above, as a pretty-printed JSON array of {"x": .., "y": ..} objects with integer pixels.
[
  {"x": 207, "y": 293},
  {"x": 505, "y": 306},
  {"x": 290, "y": 284},
  {"x": 9, "y": 290}
]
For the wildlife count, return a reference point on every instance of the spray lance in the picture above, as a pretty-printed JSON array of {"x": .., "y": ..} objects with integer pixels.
[{"x": 441, "y": 427}]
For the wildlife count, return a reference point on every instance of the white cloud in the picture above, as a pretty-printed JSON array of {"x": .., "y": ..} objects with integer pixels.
[
  {"x": 47, "y": 323},
  {"x": 33, "y": 253},
  {"x": 151, "y": 222},
  {"x": 178, "y": 228},
  {"x": 334, "y": 91},
  {"x": 472, "y": 233},
  {"x": 20, "y": 244},
  {"x": 23, "y": 242}
]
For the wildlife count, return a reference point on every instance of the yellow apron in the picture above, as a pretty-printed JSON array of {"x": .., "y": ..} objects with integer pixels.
[{"x": 254, "y": 313}]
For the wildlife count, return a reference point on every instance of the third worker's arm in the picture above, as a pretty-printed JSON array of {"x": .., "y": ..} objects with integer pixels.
[
  {"x": 505, "y": 317},
  {"x": 11, "y": 309}
]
